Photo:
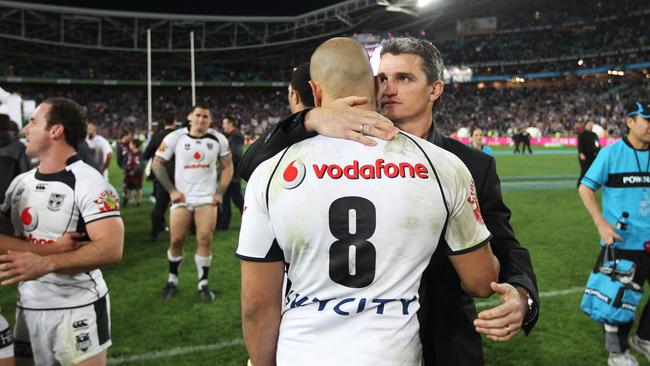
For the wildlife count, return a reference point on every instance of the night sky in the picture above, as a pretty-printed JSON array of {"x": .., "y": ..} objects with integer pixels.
[{"x": 205, "y": 7}]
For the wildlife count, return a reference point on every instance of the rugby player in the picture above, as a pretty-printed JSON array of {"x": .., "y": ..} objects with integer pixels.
[
  {"x": 193, "y": 194},
  {"x": 63, "y": 311},
  {"x": 356, "y": 227}
]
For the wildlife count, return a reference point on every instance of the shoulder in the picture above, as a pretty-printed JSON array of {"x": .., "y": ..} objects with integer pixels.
[{"x": 86, "y": 173}]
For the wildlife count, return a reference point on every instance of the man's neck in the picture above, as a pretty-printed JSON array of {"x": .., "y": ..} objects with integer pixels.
[
  {"x": 419, "y": 126},
  {"x": 54, "y": 160},
  {"x": 637, "y": 143},
  {"x": 195, "y": 133}
]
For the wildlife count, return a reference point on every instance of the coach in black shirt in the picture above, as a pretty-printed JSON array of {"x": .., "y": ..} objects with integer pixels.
[
  {"x": 450, "y": 330},
  {"x": 161, "y": 194},
  {"x": 587, "y": 149}
]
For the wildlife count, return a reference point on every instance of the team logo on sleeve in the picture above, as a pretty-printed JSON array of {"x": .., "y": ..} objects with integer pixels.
[
  {"x": 293, "y": 174},
  {"x": 55, "y": 201},
  {"x": 29, "y": 219},
  {"x": 162, "y": 148},
  {"x": 107, "y": 202},
  {"x": 472, "y": 200}
]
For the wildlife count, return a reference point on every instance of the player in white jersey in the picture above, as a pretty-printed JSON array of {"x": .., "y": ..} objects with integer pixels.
[
  {"x": 194, "y": 193},
  {"x": 63, "y": 309},
  {"x": 356, "y": 226},
  {"x": 100, "y": 149}
]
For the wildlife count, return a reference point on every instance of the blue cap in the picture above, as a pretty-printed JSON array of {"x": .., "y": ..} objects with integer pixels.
[{"x": 639, "y": 108}]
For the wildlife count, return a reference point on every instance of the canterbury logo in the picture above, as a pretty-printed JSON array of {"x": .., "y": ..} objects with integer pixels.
[
  {"x": 372, "y": 171},
  {"x": 80, "y": 324}
]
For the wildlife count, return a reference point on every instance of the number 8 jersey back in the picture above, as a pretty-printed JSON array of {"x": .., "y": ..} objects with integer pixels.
[{"x": 356, "y": 227}]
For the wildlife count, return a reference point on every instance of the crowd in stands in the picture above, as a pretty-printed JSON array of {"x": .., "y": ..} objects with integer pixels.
[
  {"x": 629, "y": 33},
  {"x": 25, "y": 67},
  {"x": 555, "y": 107},
  {"x": 114, "y": 109},
  {"x": 603, "y": 33}
]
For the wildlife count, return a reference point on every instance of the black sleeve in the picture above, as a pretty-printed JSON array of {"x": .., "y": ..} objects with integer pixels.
[
  {"x": 516, "y": 267},
  {"x": 150, "y": 151},
  {"x": 581, "y": 143},
  {"x": 236, "y": 143},
  {"x": 276, "y": 138}
]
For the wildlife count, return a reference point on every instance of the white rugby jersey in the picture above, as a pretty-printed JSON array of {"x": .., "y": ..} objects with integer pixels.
[
  {"x": 357, "y": 226},
  {"x": 99, "y": 149},
  {"x": 196, "y": 160},
  {"x": 43, "y": 207}
]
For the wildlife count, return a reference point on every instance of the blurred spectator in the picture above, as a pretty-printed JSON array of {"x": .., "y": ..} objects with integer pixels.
[{"x": 13, "y": 160}]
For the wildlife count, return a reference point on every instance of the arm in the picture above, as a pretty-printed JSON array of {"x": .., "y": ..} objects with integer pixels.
[
  {"x": 69, "y": 241},
  {"x": 105, "y": 248},
  {"x": 605, "y": 230},
  {"x": 517, "y": 276},
  {"x": 227, "y": 171},
  {"x": 162, "y": 175},
  {"x": 261, "y": 303},
  {"x": 107, "y": 161},
  {"x": 150, "y": 151},
  {"x": 340, "y": 120},
  {"x": 476, "y": 269}
]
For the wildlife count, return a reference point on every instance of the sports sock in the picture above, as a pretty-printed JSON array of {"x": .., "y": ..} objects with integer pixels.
[
  {"x": 174, "y": 267},
  {"x": 202, "y": 269}
]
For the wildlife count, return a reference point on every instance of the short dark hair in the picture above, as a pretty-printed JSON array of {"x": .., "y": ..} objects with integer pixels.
[
  {"x": 5, "y": 123},
  {"x": 169, "y": 118},
  {"x": 124, "y": 133},
  {"x": 233, "y": 121},
  {"x": 202, "y": 106},
  {"x": 71, "y": 116},
  {"x": 300, "y": 83},
  {"x": 136, "y": 142}
]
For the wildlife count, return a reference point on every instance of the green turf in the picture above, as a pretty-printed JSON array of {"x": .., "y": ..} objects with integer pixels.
[{"x": 551, "y": 223}]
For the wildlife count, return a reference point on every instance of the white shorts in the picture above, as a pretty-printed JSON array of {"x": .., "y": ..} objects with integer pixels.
[
  {"x": 193, "y": 202},
  {"x": 64, "y": 336},
  {"x": 6, "y": 339}
]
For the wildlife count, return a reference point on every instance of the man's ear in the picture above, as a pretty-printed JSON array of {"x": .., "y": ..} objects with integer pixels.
[
  {"x": 318, "y": 93},
  {"x": 295, "y": 97},
  {"x": 57, "y": 131},
  {"x": 436, "y": 91}
]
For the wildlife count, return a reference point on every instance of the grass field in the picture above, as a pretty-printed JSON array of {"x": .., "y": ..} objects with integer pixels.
[{"x": 548, "y": 218}]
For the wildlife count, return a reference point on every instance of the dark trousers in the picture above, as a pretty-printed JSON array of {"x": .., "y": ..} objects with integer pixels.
[
  {"x": 526, "y": 145},
  {"x": 618, "y": 342},
  {"x": 584, "y": 166},
  {"x": 517, "y": 147},
  {"x": 232, "y": 193},
  {"x": 159, "y": 208}
]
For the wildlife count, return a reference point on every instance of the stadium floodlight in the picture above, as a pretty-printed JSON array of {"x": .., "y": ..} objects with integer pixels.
[
  {"x": 423, "y": 3},
  {"x": 581, "y": 62}
]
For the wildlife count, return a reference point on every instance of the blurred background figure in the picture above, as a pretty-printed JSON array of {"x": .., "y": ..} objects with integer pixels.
[
  {"x": 236, "y": 141},
  {"x": 477, "y": 142},
  {"x": 588, "y": 148},
  {"x": 100, "y": 149},
  {"x": 13, "y": 160}
]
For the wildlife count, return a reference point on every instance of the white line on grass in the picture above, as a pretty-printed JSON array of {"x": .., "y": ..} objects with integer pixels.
[
  {"x": 567, "y": 291},
  {"x": 239, "y": 342},
  {"x": 174, "y": 352}
]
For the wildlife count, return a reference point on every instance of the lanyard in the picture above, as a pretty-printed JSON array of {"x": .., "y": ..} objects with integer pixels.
[{"x": 638, "y": 164}]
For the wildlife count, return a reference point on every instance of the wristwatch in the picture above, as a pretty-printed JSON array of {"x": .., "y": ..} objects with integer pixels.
[{"x": 532, "y": 309}]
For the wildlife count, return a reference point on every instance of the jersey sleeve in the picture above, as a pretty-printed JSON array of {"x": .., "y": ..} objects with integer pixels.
[
  {"x": 106, "y": 148},
  {"x": 168, "y": 145},
  {"x": 224, "y": 146},
  {"x": 257, "y": 240},
  {"x": 466, "y": 229},
  {"x": 97, "y": 199},
  {"x": 597, "y": 174}
]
